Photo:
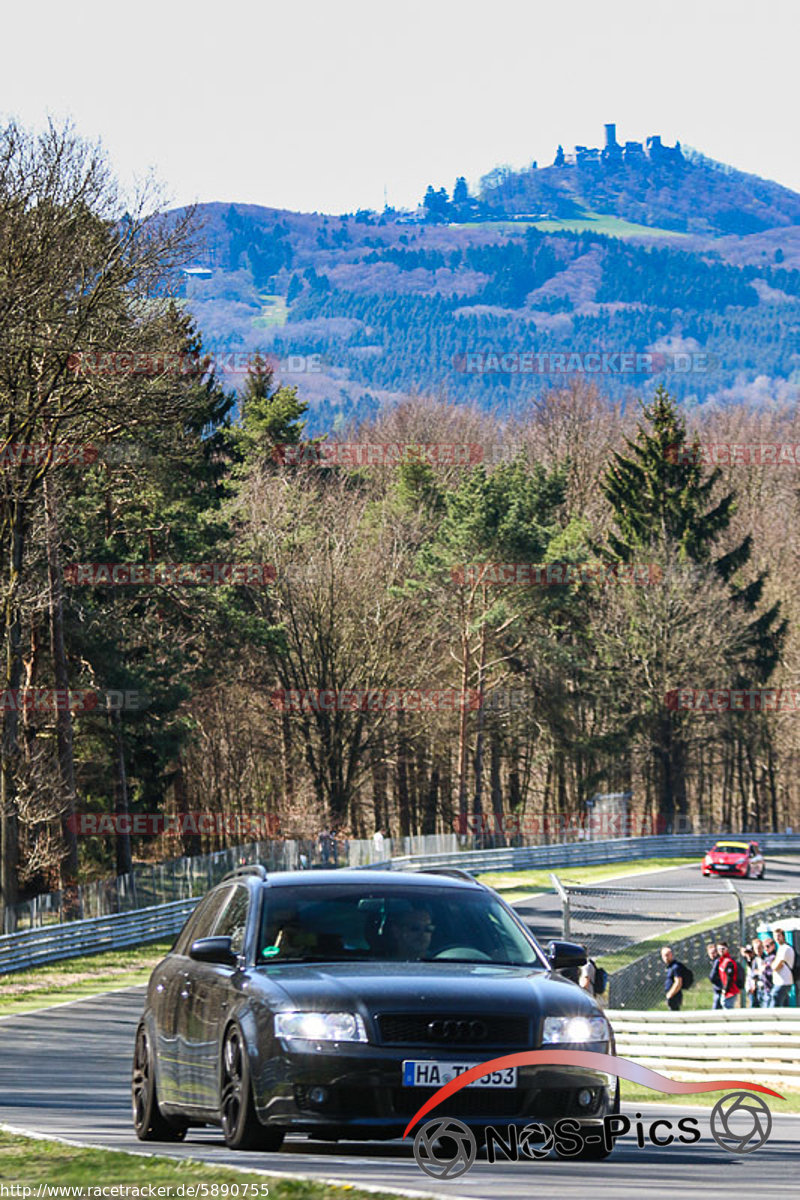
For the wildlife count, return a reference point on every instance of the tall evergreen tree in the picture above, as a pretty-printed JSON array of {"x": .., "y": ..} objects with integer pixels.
[
  {"x": 664, "y": 504},
  {"x": 270, "y": 415}
]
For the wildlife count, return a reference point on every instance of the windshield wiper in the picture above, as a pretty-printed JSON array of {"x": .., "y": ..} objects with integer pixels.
[{"x": 278, "y": 959}]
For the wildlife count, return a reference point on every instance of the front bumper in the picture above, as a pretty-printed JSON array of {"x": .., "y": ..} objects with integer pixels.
[{"x": 364, "y": 1094}]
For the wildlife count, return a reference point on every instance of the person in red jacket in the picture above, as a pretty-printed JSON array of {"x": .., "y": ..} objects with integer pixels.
[{"x": 727, "y": 974}]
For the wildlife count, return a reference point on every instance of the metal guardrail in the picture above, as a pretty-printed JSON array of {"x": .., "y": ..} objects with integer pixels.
[
  {"x": 576, "y": 854},
  {"x": 762, "y": 1044},
  {"x": 36, "y": 947},
  {"x": 69, "y": 939}
]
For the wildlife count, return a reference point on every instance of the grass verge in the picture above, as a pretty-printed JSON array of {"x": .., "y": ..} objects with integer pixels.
[
  {"x": 586, "y": 222},
  {"x": 631, "y": 1094},
  {"x": 74, "y": 978},
  {"x": 31, "y": 1161},
  {"x": 621, "y": 958},
  {"x": 516, "y": 885}
]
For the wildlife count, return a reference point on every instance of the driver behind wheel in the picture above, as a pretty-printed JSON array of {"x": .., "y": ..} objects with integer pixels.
[{"x": 408, "y": 934}]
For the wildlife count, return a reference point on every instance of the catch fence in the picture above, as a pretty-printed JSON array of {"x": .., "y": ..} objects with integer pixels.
[{"x": 625, "y": 928}]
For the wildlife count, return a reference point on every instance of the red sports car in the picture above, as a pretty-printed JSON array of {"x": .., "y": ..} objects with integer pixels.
[{"x": 735, "y": 858}]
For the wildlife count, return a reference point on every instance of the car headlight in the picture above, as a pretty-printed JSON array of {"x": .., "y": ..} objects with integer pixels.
[
  {"x": 321, "y": 1026},
  {"x": 574, "y": 1029}
]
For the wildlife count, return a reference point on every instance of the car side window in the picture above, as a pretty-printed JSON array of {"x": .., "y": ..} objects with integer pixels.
[
  {"x": 232, "y": 921},
  {"x": 202, "y": 920}
]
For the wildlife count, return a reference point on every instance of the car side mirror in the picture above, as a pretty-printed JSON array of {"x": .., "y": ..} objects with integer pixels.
[
  {"x": 213, "y": 950},
  {"x": 566, "y": 954}
]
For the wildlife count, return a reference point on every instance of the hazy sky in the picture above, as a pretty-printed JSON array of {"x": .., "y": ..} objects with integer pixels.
[{"x": 312, "y": 104}]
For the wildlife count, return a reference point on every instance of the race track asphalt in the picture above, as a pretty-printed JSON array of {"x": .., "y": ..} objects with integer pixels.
[
  {"x": 627, "y": 909},
  {"x": 65, "y": 1072}
]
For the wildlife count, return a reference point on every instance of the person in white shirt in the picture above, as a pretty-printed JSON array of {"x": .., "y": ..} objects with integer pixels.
[
  {"x": 782, "y": 978},
  {"x": 586, "y": 980}
]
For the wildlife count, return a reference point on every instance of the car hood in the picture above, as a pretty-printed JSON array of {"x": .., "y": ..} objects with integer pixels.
[
  {"x": 372, "y": 988},
  {"x": 727, "y": 856}
]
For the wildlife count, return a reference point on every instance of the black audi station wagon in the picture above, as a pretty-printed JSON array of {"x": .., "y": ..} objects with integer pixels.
[{"x": 334, "y": 1003}]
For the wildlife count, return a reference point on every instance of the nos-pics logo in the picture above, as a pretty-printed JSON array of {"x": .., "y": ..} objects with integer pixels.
[{"x": 446, "y": 1148}]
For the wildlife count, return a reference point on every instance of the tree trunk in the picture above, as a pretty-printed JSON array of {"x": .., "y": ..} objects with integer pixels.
[
  {"x": 379, "y": 806},
  {"x": 496, "y": 784},
  {"x": 402, "y": 776},
  {"x": 478, "y": 760},
  {"x": 463, "y": 727},
  {"x": 9, "y": 820},
  {"x": 286, "y": 761},
  {"x": 66, "y": 761},
  {"x": 121, "y": 807}
]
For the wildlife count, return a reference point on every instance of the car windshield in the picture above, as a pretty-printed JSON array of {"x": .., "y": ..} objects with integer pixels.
[
  {"x": 731, "y": 848},
  {"x": 340, "y": 923}
]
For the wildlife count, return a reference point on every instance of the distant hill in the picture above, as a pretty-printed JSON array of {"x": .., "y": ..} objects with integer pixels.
[
  {"x": 677, "y": 259},
  {"x": 689, "y": 194}
]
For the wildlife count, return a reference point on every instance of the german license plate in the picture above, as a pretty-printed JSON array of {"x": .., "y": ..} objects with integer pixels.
[{"x": 436, "y": 1074}]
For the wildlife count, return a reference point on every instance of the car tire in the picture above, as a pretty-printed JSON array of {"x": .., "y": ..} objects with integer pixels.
[
  {"x": 763, "y": 874},
  {"x": 148, "y": 1120},
  {"x": 747, "y": 872},
  {"x": 241, "y": 1127}
]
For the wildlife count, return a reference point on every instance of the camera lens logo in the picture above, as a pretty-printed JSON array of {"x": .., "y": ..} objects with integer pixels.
[
  {"x": 445, "y": 1148},
  {"x": 536, "y": 1140},
  {"x": 740, "y": 1122}
]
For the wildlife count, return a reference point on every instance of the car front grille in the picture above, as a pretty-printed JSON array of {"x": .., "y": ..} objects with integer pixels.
[
  {"x": 482, "y": 1102},
  {"x": 544, "y": 1105},
  {"x": 457, "y": 1030}
]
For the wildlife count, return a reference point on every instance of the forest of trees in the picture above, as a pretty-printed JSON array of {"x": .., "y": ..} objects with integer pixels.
[{"x": 114, "y": 452}]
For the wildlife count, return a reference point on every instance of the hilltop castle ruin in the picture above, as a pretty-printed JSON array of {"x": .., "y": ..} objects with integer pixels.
[{"x": 613, "y": 153}]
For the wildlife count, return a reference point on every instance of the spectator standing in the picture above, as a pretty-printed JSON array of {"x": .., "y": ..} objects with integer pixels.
[
  {"x": 759, "y": 967},
  {"x": 766, "y": 971},
  {"x": 588, "y": 980},
  {"x": 782, "y": 965},
  {"x": 713, "y": 975},
  {"x": 750, "y": 977},
  {"x": 673, "y": 980},
  {"x": 727, "y": 974},
  {"x": 324, "y": 845}
]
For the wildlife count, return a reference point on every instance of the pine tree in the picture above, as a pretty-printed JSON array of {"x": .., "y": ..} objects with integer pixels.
[
  {"x": 663, "y": 504},
  {"x": 270, "y": 415}
]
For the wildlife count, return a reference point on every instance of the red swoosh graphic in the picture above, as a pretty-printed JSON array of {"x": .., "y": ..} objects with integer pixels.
[{"x": 625, "y": 1068}]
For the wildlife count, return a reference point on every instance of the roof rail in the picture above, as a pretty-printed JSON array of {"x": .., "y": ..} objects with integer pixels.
[
  {"x": 455, "y": 872},
  {"x": 251, "y": 869}
]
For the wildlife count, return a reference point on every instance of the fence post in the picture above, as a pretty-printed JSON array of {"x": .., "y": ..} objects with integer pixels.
[
  {"x": 565, "y": 913},
  {"x": 740, "y": 902}
]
